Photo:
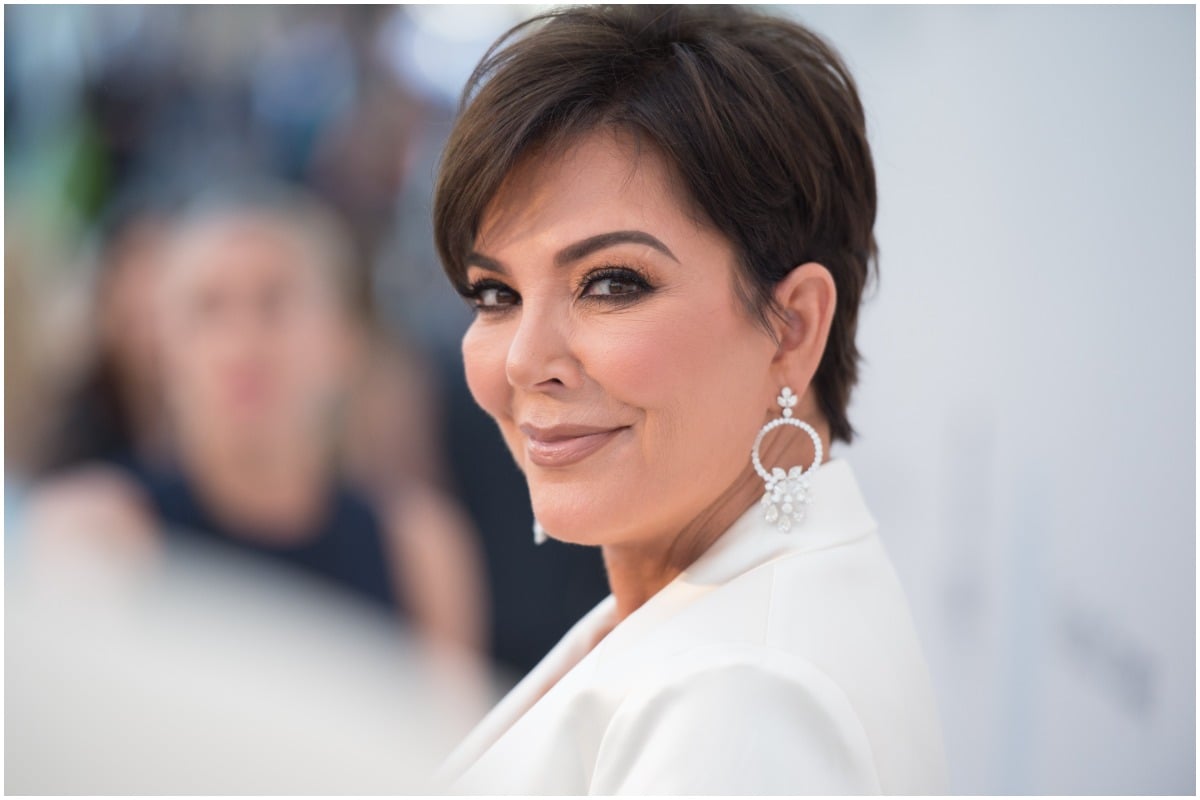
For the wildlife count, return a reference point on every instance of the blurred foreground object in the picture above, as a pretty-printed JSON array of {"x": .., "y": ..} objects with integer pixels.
[{"x": 203, "y": 674}]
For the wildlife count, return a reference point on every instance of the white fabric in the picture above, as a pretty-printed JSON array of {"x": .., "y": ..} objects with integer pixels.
[{"x": 778, "y": 663}]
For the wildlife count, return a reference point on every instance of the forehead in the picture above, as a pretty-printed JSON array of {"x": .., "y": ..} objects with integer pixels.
[
  {"x": 235, "y": 251},
  {"x": 602, "y": 181}
]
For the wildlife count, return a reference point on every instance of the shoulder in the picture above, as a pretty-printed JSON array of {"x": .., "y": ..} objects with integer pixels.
[
  {"x": 89, "y": 507},
  {"x": 739, "y": 719}
]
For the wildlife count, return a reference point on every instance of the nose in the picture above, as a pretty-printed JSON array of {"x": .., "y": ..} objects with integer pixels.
[{"x": 540, "y": 355}]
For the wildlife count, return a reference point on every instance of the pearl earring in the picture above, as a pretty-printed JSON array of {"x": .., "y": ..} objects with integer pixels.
[
  {"x": 539, "y": 533},
  {"x": 786, "y": 496}
]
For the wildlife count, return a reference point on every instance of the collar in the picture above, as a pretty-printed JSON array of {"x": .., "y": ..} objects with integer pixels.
[{"x": 838, "y": 514}]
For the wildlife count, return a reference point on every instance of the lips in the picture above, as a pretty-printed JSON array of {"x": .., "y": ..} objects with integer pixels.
[{"x": 563, "y": 445}]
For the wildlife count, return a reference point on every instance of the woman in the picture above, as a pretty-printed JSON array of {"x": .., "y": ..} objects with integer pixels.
[
  {"x": 257, "y": 336},
  {"x": 663, "y": 217}
]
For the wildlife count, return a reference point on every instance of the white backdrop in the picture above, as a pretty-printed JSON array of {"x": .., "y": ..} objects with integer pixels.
[{"x": 1027, "y": 409}]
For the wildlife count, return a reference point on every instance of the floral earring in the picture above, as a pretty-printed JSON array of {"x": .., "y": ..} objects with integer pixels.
[{"x": 786, "y": 498}]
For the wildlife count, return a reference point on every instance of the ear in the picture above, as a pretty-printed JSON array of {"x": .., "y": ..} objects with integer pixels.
[{"x": 807, "y": 298}]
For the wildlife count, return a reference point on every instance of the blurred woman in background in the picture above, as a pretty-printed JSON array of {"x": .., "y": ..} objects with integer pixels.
[{"x": 257, "y": 341}]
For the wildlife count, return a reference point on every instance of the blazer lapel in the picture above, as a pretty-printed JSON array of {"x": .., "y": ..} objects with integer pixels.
[
  {"x": 838, "y": 514},
  {"x": 548, "y": 672}
]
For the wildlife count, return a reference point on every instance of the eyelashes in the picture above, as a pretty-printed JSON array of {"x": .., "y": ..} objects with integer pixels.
[
  {"x": 610, "y": 285},
  {"x": 489, "y": 294},
  {"x": 619, "y": 281}
]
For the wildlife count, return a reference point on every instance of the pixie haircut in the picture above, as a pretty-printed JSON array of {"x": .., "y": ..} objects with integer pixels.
[{"x": 757, "y": 117}]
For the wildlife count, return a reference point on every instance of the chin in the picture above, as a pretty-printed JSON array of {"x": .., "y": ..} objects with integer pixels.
[{"x": 577, "y": 514}]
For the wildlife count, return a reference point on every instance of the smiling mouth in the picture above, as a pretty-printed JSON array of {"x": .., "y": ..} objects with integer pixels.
[{"x": 562, "y": 447}]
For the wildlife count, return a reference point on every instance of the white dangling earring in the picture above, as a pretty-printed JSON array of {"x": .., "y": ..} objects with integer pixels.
[
  {"x": 539, "y": 533},
  {"x": 786, "y": 497}
]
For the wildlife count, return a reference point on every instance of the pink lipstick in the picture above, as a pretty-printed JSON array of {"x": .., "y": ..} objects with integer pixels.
[{"x": 564, "y": 445}]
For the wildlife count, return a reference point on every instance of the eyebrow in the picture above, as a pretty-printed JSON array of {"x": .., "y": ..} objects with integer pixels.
[{"x": 583, "y": 249}]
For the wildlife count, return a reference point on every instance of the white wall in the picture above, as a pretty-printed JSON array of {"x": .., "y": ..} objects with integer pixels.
[{"x": 1027, "y": 409}]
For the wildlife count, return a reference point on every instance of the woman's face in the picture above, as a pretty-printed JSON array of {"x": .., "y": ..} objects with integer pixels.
[
  {"x": 252, "y": 332},
  {"x": 611, "y": 346}
]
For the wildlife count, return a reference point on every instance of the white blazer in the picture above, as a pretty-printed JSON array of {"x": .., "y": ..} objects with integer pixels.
[{"x": 778, "y": 663}]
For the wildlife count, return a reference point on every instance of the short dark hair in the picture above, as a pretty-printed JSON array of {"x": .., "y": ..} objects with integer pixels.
[{"x": 757, "y": 116}]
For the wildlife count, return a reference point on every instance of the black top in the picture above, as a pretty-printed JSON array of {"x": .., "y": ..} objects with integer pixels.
[{"x": 346, "y": 547}]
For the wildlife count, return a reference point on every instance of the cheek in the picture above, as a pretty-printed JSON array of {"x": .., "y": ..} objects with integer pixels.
[
  {"x": 316, "y": 350},
  {"x": 191, "y": 369},
  {"x": 697, "y": 377},
  {"x": 485, "y": 352}
]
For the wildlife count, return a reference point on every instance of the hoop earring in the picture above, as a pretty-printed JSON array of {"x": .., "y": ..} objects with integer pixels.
[
  {"x": 786, "y": 498},
  {"x": 539, "y": 533}
]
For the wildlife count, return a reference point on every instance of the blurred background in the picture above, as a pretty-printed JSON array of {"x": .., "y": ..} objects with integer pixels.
[{"x": 258, "y": 423}]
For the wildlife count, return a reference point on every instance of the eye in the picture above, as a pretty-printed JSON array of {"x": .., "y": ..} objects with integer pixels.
[
  {"x": 490, "y": 295},
  {"x": 614, "y": 282}
]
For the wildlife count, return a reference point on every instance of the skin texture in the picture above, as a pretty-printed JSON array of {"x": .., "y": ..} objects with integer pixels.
[{"x": 681, "y": 368}]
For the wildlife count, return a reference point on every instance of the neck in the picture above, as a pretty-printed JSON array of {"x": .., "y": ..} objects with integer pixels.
[{"x": 640, "y": 569}]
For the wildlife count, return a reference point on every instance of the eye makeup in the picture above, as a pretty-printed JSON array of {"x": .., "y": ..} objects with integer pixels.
[
  {"x": 489, "y": 295},
  {"x": 632, "y": 283},
  {"x": 613, "y": 284}
]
